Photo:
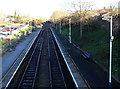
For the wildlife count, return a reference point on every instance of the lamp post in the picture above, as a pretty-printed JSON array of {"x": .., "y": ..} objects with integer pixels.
[
  {"x": 60, "y": 26},
  {"x": 69, "y": 30},
  {"x": 110, "y": 61}
]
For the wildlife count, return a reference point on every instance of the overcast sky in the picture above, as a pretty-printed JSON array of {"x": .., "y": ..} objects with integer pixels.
[{"x": 44, "y": 7}]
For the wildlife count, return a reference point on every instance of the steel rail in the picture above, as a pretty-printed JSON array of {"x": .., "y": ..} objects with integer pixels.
[
  {"x": 51, "y": 37},
  {"x": 49, "y": 61},
  {"x": 59, "y": 65},
  {"x": 19, "y": 63},
  {"x": 77, "y": 85},
  {"x": 38, "y": 63},
  {"x": 29, "y": 65},
  {"x": 42, "y": 73}
]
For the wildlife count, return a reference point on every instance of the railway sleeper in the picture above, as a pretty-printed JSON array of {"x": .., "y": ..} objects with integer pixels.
[
  {"x": 30, "y": 72},
  {"x": 58, "y": 82},
  {"x": 26, "y": 84},
  {"x": 27, "y": 80},
  {"x": 31, "y": 75},
  {"x": 25, "y": 87},
  {"x": 58, "y": 78},
  {"x": 59, "y": 85}
]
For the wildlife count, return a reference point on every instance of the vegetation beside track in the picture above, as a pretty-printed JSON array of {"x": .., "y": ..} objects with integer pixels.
[
  {"x": 5, "y": 43},
  {"x": 96, "y": 42}
]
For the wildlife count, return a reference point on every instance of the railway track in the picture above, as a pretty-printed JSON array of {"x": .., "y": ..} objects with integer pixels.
[
  {"x": 57, "y": 76},
  {"x": 29, "y": 75},
  {"x": 43, "y": 67}
]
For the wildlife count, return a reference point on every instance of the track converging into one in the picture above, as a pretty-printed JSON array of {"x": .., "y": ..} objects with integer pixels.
[{"x": 44, "y": 66}]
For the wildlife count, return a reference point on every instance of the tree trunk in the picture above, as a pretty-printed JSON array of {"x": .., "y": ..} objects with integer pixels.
[{"x": 80, "y": 30}]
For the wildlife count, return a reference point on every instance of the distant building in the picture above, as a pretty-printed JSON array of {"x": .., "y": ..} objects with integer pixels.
[{"x": 9, "y": 18}]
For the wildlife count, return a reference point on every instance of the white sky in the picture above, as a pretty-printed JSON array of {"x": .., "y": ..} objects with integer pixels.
[{"x": 43, "y": 7}]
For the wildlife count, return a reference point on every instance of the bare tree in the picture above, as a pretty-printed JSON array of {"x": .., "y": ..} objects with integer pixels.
[{"x": 81, "y": 9}]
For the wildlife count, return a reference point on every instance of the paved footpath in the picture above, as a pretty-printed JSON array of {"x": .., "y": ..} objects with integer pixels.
[{"x": 9, "y": 57}]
